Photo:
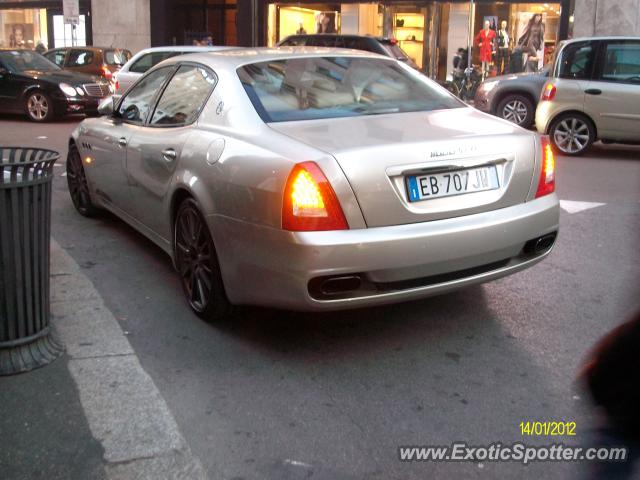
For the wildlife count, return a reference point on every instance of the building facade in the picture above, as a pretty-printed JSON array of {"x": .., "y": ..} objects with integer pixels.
[{"x": 605, "y": 17}]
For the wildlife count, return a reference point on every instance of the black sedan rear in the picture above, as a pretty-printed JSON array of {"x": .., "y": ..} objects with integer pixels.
[{"x": 31, "y": 84}]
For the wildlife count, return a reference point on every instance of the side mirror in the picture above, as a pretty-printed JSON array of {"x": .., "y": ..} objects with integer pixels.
[{"x": 107, "y": 106}]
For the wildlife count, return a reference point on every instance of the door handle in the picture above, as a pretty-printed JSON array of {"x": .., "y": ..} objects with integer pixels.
[
  {"x": 122, "y": 142},
  {"x": 593, "y": 91},
  {"x": 169, "y": 154}
]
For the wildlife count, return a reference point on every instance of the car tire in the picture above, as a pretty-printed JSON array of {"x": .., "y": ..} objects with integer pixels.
[
  {"x": 517, "y": 109},
  {"x": 197, "y": 264},
  {"x": 572, "y": 133},
  {"x": 77, "y": 183},
  {"x": 39, "y": 107}
]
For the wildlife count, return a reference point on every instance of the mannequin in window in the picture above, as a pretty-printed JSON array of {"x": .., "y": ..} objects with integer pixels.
[
  {"x": 485, "y": 40},
  {"x": 533, "y": 37},
  {"x": 502, "y": 53}
]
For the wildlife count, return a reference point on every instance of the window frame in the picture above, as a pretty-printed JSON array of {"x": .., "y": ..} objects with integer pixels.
[
  {"x": 590, "y": 71},
  {"x": 54, "y": 52},
  {"x": 153, "y": 104},
  {"x": 80, "y": 51},
  {"x": 601, "y": 58},
  {"x": 166, "y": 84}
]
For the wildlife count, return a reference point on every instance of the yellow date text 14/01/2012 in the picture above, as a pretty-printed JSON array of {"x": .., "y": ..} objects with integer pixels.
[{"x": 548, "y": 428}]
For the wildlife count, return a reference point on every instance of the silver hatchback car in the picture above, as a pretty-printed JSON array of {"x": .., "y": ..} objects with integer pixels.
[
  {"x": 594, "y": 94},
  {"x": 315, "y": 179}
]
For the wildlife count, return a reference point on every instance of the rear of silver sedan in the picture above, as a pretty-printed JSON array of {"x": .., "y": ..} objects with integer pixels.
[{"x": 421, "y": 203}]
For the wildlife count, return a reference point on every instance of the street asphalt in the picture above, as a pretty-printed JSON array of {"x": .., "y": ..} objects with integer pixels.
[{"x": 281, "y": 395}]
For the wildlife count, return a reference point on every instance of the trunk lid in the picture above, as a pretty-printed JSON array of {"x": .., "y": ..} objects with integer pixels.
[{"x": 378, "y": 153}]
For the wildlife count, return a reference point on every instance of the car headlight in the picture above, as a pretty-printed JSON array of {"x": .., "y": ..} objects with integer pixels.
[
  {"x": 68, "y": 90},
  {"x": 488, "y": 86},
  {"x": 80, "y": 91}
]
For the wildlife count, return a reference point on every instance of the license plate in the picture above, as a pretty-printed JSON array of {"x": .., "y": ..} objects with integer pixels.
[{"x": 436, "y": 185}]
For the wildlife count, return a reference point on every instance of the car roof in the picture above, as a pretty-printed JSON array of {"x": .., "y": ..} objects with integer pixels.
[
  {"x": 234, "y": 58},
  {"x": 186, "y": 48},
  {"x": 87, "y": 47},
  {"x": 343, "y": 35},
  {"x": 607, "y": 37}
]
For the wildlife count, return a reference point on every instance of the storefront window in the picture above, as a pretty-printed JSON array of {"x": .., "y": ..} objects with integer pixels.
[
  {"x": 287, "y": 20},
  {"x": 524, "y": 35},
  {"x": 23, "y": 28}
]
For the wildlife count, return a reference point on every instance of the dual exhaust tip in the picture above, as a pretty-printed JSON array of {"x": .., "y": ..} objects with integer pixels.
[{"x": 332, "y": 287}]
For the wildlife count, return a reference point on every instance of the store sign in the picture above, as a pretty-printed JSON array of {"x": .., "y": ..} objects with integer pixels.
[{"x": 71, "y": 11}]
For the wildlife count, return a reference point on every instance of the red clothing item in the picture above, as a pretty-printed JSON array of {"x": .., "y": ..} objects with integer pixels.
[{"x": 485, "y": 40}]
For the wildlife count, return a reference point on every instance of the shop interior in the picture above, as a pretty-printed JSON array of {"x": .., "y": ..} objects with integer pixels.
[{"x": 430, "y": 34}]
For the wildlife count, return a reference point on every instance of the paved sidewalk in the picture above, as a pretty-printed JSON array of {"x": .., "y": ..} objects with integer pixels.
[
  {"x": 94, "y": 413},
  {"x": 43, "y": 430}
]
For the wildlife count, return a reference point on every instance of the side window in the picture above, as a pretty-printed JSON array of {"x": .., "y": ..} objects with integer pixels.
[
  {"x": 621, "y": 62},
  {"x": 80, "y": 58},
  {"x": 576, "y": 61},
  {"x": 149, "y": 60},
  {"x": 184, "y": 96},
  {"x": 57, "y": 57},
  {"x": 135, "y": 106}
]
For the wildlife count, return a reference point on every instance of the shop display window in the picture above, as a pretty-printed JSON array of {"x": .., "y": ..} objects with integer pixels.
[{"x": 23, "y": 28}]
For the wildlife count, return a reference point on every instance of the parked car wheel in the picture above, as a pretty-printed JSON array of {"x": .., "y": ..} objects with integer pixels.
[
  {"x": 77, "y": 183},
  {"x": 39, "y": 107},
  {"x": 517, "y": 109},
  {"x": 572, "y": 133},
  {"x": 198, "y": 265}
]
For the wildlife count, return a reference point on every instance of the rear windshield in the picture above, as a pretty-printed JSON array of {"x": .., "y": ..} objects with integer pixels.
[
  {"x": 116, "y": 57},
  {"x": 332, "y": 87}
]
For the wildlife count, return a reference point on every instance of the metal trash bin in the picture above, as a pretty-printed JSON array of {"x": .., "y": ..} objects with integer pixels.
[{"x": 26, "y": 341}]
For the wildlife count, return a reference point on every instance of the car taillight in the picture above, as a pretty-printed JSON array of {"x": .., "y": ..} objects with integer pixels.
[
  {"x": 106, "y": 72},
  {"x": 547, "y": 182},
  {"x": 548, "y": 92},
  {"x": 310, "y": 204},
  {"x": 117, "y": 85}
]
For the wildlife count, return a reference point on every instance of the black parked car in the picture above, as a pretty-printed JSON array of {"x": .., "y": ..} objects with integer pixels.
[
  {"x": 384, "y": 46},
  {"x": 31, "y": 84}
]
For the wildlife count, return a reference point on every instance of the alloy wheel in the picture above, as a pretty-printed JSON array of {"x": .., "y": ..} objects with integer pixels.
[
  {"x": 77, "y": 182},
  {"x": 194, "y": 258},
  {"x": 571, "y": 135},
  {"x": 38, "y": 106},
  {"x": 515, "y": 111}
]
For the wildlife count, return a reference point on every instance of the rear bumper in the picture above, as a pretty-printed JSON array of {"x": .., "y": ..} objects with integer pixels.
[
  {"x": 270, "y": 267},
  {"x": 545, "y": 111}
]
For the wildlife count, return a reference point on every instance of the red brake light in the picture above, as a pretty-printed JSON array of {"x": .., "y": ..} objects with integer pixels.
[
  {"x": 393, "y": 41},
  {"x": 106, "y": 72},
  {"x": 547, "y": 182},
  {"x": 548, "y": 92},
  {"x": 310, "y": 204},
  {"x": 117, "y": 86}
]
